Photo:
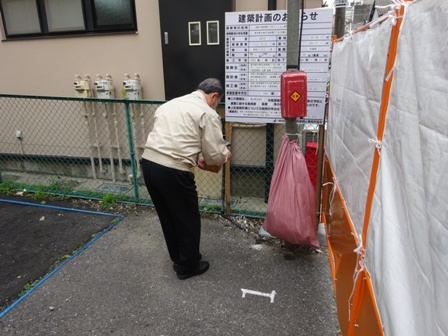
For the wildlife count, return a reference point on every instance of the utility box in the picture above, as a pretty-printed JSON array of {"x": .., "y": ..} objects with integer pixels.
[
  {"x": 82, "y": 89},
  {"x": 104, "y": 89},
  {"x": 293, "y": 93},
  {"x": 132, "y": 89}
]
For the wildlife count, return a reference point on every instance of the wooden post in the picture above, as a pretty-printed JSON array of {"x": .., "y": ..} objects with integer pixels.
[{"x": 228, "y": 129}]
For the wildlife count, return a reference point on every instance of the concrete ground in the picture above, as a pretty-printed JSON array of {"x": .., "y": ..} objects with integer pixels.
[{"x": 124, "y": 284}]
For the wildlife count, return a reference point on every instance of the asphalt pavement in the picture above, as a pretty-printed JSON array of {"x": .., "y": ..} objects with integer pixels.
[{"x": 124, "y": 284}]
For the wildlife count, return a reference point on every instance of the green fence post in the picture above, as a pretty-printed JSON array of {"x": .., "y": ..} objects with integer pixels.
[{"x": 132, "y": 151}]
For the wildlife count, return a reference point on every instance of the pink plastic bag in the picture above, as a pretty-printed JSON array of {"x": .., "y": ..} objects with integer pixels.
[{"x": 291, "y": 213}]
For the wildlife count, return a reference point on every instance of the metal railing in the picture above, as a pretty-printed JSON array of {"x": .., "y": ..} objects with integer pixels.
[{"x": 90, "y": 148}]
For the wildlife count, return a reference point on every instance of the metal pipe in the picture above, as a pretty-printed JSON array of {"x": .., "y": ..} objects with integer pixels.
[
  {"x": 21, "y": 147},
  {"x": 134, "y": 138},
  {"x": 109, "y": 140},
  {"x": 292, "y": 57},
  {"x": 86, "y": 122},
  {"x": 292, "y": 47},
  {"x": 142, "y": 126},
  {"x": 132, "y": 150},
  {"x": 269, "y": 157},
  {"x": 320, "y": 164},
  {"x": 97, "y": 138},
  {"x": 117, "y": 138}
]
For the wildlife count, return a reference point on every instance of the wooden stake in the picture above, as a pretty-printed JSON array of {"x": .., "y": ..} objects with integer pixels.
[{"x": 228, "y": 130}]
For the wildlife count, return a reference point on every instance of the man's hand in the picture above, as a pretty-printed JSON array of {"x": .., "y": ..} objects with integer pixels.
[{"x": 202, "y": 165}]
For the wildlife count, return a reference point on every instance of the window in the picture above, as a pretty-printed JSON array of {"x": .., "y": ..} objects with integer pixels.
[
  {"x": 213, "y": 32},
  {"x": 194, "y": 37},
  {"x": 20, "y": 17},
  {"x": 34, "y": 18},
  {"x": 56, "y": 19}
]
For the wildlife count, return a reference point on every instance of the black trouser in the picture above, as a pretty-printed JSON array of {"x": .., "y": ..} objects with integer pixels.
[{"x": 175, "y": 198}]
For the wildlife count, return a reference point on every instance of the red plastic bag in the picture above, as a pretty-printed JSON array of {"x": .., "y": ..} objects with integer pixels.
[{"x": 291, "y": 213}]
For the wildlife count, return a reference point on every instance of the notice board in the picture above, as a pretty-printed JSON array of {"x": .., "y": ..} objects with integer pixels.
[{"x": 255, "y": 56}]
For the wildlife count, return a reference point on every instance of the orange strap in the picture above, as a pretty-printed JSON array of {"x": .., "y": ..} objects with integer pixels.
[{"x": 388, "y": 76}]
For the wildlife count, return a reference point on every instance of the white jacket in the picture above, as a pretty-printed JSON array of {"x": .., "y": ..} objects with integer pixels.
[{"x": 183, "y": 128}]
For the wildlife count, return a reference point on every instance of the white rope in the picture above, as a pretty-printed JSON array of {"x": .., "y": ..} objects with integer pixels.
[
  {"x": 331, "y": 195},
  {"x": 396, "y": 4},
  {"x": 403, "y": 3},
  {"x": 378, "y": 144},
  {"x": 393, "y": 7},
  {"x": 360, "y": 252},
  {"x": 394, "y": 17},
  {"x": 389, "y": 74},
  {"x": 349, "y": 35}
]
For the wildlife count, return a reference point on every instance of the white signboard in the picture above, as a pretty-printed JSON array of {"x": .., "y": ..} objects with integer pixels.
[{"x": 256, "y": 47}]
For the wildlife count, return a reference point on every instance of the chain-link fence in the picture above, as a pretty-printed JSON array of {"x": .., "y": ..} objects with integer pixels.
[{"x": 90, "y": 148}]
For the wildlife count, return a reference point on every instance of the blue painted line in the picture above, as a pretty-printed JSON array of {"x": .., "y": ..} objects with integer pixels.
[
  {"x": 49, "y": 275},
  {"x": 59, "y": 208}
]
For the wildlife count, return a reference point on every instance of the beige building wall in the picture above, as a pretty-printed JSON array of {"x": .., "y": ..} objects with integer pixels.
[{"x": 48, "y": 66}]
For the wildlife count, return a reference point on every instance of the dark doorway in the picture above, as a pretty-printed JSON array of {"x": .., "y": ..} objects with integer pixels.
[{"x": 192, "y": 43}]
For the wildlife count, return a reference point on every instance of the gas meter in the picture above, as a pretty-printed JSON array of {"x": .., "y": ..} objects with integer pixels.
[
  {"x": 132, "y": 89},
  {"x": 82, "y": 87},
  {"x": 104, "y": 88}
]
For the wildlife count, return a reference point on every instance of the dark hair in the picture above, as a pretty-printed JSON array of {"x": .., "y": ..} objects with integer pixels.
[{"x": 211, "y": 85}]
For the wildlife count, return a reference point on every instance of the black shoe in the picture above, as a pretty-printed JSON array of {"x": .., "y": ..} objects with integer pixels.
[
  {"x": 200, "y": 269},
  {"x": 176, "y": 267}
]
